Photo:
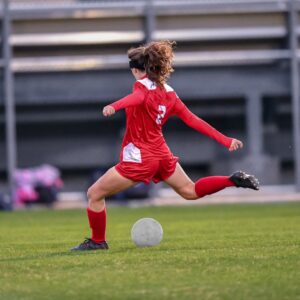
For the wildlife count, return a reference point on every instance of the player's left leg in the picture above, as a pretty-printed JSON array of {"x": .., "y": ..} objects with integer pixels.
[{"x": 108, "y": 184}]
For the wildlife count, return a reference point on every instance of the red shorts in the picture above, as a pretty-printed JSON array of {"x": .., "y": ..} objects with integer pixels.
[{"x": 149, "y": 170}]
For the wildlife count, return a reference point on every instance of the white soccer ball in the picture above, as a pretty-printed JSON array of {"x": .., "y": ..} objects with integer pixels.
[{"x": 146, "y": 232}]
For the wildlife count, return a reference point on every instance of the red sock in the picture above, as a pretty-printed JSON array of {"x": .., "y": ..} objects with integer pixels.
[
  {"x": 97, "y": 222},
  {"x": 209, "y": 185}
]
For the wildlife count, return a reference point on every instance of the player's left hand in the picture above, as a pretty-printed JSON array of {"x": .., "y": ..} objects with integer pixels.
[
  {"x": 108, "y": 111},
  {"x": 235, "y": 145}
]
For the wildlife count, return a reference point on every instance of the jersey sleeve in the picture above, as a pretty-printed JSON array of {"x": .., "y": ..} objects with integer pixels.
[
  {"x": 198, "y": 124},
  {"x": 137, "y": 97}
]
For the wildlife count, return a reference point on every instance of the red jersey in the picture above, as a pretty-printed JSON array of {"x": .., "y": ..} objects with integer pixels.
[{"x": 147, "y": 109}]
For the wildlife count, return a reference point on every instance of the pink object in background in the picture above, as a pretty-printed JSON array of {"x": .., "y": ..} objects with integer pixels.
[{"x": 27, "y": 180}]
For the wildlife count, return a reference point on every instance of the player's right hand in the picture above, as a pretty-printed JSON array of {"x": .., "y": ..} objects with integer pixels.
[
  {"x": 235, "y": 145},
  {"x": 108, "y": 111}
]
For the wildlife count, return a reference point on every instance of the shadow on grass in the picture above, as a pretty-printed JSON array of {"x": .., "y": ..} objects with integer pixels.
[
  {"x": 65, "y": 254},
  {"x": 115, "y": 251},
  {"x": 51, "y": 255}
]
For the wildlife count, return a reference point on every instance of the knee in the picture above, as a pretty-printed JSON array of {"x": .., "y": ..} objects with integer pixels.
[
  {"x": 188, "y": 192},
  {"x": 94, "y": 196}
]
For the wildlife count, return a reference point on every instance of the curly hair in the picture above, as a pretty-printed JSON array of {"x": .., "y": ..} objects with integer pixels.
[{"x": 156, "y": 58}]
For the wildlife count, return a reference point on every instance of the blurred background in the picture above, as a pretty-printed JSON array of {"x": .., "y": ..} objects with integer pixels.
[{"x": 236, "y": 66}]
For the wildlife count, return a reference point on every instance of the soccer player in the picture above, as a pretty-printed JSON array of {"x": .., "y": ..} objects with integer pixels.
[{"x": 145, "y": 155}]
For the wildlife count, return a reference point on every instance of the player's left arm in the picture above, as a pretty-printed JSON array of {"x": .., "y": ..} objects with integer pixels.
[
  {"x": 203, "y": 127},
  {"x": 133, "y": 99}
]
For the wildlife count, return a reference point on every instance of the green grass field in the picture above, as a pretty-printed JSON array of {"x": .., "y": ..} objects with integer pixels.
[{"x": 211, "y": 252}]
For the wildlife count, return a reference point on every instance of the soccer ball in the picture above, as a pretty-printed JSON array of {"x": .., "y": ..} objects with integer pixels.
[{"x": 146, "y": 232}]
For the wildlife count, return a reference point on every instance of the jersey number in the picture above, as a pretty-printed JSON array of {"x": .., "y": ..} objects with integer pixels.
[{"x": 161, "y": 113}]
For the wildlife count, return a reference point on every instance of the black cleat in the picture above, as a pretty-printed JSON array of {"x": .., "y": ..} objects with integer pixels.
[
  {"x": 241, "y": 179},
  {"x": 89, "y": 244}
]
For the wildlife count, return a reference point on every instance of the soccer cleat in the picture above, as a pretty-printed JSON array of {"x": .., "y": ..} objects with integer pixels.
[
  {"x": 241, "y": 179},
  {"x": 89, "y": 244}
]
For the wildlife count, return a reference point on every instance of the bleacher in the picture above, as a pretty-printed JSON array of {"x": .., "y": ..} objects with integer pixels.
[{"x": 232, "y": 66}]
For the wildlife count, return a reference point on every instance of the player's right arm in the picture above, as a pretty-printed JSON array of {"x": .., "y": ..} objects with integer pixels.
[
  {"x": 203, "y": 127},
  {"x": 133, "y": 99}
]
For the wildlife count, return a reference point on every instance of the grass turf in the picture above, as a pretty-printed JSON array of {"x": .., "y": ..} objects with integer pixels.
[{"x": 213, "y": 252}]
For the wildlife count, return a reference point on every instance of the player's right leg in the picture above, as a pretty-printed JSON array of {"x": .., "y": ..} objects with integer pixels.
[
  {"x": 182, "y": 184},
  {"x": 189, "y": 190},
  {"x": 108, "y": 184},
  {"x": 241, "y": 179}
]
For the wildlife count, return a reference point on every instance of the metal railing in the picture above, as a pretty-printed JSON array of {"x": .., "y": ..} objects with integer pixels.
[{"x": 53, "y": 9}]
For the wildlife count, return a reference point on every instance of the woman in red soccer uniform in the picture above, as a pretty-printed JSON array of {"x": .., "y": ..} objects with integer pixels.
[{"x": 145, "y": 155}]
